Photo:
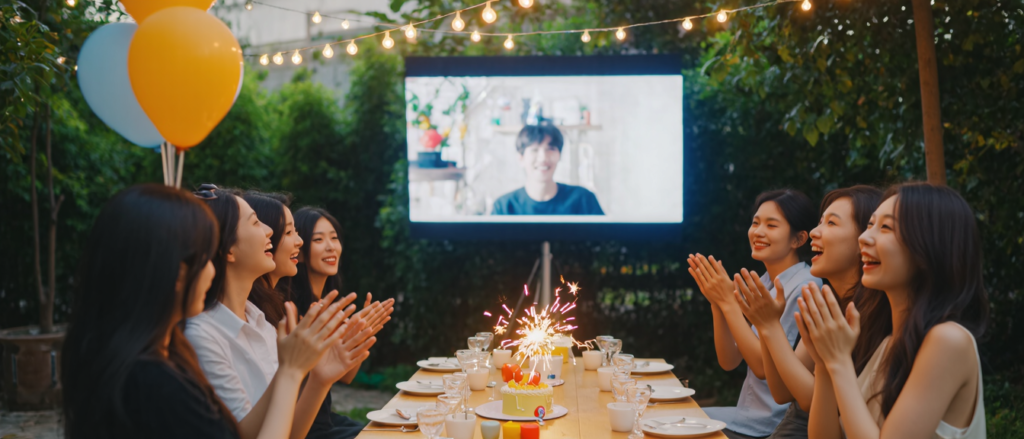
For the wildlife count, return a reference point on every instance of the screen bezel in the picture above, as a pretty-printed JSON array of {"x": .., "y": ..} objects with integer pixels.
[{"x": 605, "y": 65}]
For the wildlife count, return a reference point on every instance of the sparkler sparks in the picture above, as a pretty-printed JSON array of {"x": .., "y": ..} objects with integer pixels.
[{"x": 538, "y": 329}]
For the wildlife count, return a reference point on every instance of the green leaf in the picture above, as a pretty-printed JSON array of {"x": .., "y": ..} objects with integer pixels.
[
  {"x": 824, "y": 123},
  {"x": 811, "y": 134}
]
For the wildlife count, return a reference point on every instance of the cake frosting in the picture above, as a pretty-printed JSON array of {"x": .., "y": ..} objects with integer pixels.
[{"x": 523, "y": 399}]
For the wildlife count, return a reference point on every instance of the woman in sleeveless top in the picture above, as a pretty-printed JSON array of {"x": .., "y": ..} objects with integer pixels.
[
  {"x": 778, "y": 237},
  {"x": 923, "y": 250},
  {"x": 844, "y": 216}
]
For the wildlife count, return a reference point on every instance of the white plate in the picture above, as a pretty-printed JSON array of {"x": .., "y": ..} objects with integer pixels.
[
  {"x": 700, "y": 426},
  {"x": 435, "y": 387},
  {"x": 492, "y": 410},
  {"x": 666, "y": 393},
  {"x": 388, "y": 416},
  {"x": 653, "y": 368},
  {"x": 440, "y": 364}
]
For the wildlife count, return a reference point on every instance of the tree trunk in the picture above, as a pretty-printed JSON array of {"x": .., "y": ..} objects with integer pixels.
[
  {"x": 35, "y": 208},
  {"x": 46, "y": 302},
  {"x": 934, "y": 156}
]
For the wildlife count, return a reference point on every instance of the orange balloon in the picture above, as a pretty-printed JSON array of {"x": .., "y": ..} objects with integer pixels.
[
  {"x": 184, "y": 66},
  {"x": 140, "y": 10}
]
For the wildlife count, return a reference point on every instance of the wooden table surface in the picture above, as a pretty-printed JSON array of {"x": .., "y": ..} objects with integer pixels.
[{"x": 588, "y": 413}]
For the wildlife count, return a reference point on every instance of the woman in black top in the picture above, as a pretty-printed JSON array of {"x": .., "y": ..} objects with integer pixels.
[{"x": 127, "y": 369}]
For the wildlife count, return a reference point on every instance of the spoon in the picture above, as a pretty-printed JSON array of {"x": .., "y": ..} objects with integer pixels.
[{"x": 403, "y": 415}]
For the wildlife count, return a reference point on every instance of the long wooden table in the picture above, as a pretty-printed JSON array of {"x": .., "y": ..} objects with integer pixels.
[{"x": 588, "y": 412}]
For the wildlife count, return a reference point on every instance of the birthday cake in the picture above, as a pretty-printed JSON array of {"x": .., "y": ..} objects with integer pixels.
[{"x": 521, "y": 399}]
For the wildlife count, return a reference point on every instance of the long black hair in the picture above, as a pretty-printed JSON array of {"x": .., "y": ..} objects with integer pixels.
[
  {"x": 270, "y": 211},
  {"x": 798, "y": 211},
  {"x": 226, "y": 211},
  {"x": 872, "y": 304},
  {"x": 125, "y": 303},
  {"x": 937, "y": 226},
  {"x": 298, "y": 289}
]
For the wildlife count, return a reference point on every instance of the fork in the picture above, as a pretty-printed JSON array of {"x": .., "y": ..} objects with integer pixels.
[
  {"x": 681, "y": 423},
  {"x": 651, "y": 404},
  {"x": 403, "y": 429}
]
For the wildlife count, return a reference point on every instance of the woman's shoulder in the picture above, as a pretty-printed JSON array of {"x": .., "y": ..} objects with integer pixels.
[{"x": 949, "y": 336}]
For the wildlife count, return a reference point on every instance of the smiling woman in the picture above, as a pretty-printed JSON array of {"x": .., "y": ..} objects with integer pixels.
[{"x": 319, "y": 258}]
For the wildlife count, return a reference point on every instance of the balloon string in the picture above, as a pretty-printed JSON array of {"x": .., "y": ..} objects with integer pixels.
[
  {"x": 163, "y": 160},
  {"x": 181, "y": 166}
]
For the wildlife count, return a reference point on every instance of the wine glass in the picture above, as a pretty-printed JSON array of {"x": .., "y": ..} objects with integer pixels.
[
  {"x": 476, "y": 343},
  {"x": 488, "y": 338},
  {"x": 620, "y": 381},
  {"x": 602, "y": 346},
  {"x": 449, "y": 403},
  {"x": 463, "y": 389},
  {"x": 464, "y": 356},
  {"x": 431, "y": 421},
  {"x": 638, "y": 396},
  {"x": 623, "y": 362},
  {"x": 611, "y": 347}
]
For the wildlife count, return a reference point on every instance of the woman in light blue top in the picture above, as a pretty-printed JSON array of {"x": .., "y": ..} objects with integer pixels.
[{"x": 778, "y": 237}]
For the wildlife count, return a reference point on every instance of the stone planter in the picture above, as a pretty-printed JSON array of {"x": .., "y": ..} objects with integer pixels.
[{"x": 30, "y": 363}]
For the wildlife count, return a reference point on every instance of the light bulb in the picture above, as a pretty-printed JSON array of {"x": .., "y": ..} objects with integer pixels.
[
  {"x": 278, "y": 58},
  {"x": 317, "y": 18},
  {"x": 264, "y": 60},
  {"x": 345, "y": 24},
  {"x": 458, "y": 24},
  {"x": 489, "y": 15},
  {"x": 806, "y": 5},
  {"x": 296, "y": 57},
  {"x": 410, "y": 32},
  {"x": 328, "y": 52},
  {"x": 388, "y": 42},
  {"x": 352, "y": 49},
  {"x": 61, "y": 59},
  {"x": 722, "y": 16},
  {"x": 525, "y": 3},
  {"x": 248, "y": 5},
  {"x": 509, "y": 44},
  {"x": 687, "y": 24},
  {"x": 475, "y": 36},
  {"x": 620, "y": 34},
  {"x": 586, "y": 36},
  {"x": 71, "y": 3}
]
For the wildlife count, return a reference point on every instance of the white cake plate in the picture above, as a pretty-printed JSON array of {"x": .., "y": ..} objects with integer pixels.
[{"x": 492, "y": 410}]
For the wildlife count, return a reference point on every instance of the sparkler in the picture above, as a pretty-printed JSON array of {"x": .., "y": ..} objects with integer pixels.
[{"x": 538, "y": 329}]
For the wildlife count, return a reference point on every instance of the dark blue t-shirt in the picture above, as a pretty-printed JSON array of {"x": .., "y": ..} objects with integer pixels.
[{"x": 569, "y": 200}]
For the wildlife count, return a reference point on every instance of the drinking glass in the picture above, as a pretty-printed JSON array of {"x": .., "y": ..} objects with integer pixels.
[
  {"x": 449, "y": 403},
  {"x": 623, "y": 362},
  {"x": 621, "y": 380},
  {"x": 431, "y": 421},
  {"x": 611, "y": 347},
  {"x": 488, "y": 338},
  {"x": 601, "y": 341},
  {"x": 476, "y": 343},
  {"x": 463, "y": 389},
  {"x": 464, "y": 355},
  {"x": 638, "y": 396}
]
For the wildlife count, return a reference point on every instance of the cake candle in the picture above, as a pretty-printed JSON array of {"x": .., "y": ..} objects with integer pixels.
[
  {"x": 510, "y": 430},
  {"x": 529, "y": 431}
]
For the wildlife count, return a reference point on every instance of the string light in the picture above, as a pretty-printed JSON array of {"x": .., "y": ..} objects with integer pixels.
[
  {"x": 264, "y": 60},
  {"x": 410, "y": 32},
  {"x": 345, "y": 24},
  {"x": 296, "y": 57},
  {"x": 61, "y": 59},
  {"x": 278, "y": 58},
  {"x": 586, "y": 36},
  {"x": 687, "y": 24},
  {"x": 509, "y": 44},
  {"x": 387, "y": 42},
  {"x": 71, "y": 3},
  {"x": 806, "y": 5},
  {"x": 248, "y": 5},
  {"x": 328, "y": 52},
  {"x": 722, "y": 16},
  {"x": 317, "y": 18},
  {"x": 526, "y": 3},
  {"x": 352, "y": 49},
  {"x": 489, "y": 15},
  {"x": 620, "y": 34},
  {"x": 458, "y": 24},
  {"x": 475, "y": 36}
]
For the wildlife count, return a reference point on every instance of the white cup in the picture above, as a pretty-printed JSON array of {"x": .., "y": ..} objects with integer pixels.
[
  {"x": 592, "y": 359},
  {"x": 620, "y": 415},
  {"x": 460, "y": 426},
  {"x": 478, "y": 378},
  {"x": 604, "y": 378},
  {"x": 501, "y": 357}
]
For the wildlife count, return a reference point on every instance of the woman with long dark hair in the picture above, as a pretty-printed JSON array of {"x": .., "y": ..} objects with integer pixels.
[
  {"x": 232, "y": 338},
  {"x": 844, "y": 216},
  {"x": 128, "y": 371},
  {"x": 272, "y": 210},
  {"x": 923, "y": 250},
  {"x": 778, "y": 238},
  {"x": 318, "y": 272}
]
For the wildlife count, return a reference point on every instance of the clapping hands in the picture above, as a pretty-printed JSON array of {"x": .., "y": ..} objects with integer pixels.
[
  {"x": 829, "y": 335},
  {"x": 756, "y": 301},
  {"x": 712, "y": 279}
]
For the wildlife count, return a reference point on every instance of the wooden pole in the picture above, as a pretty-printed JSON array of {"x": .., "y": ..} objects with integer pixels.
[{"x": 934, "y": 156}]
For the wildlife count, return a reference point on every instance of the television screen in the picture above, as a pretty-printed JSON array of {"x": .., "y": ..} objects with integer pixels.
[{"x": 545, "y": 148}]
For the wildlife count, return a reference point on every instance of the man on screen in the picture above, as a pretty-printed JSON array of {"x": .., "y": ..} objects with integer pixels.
[{"x": 540, "y": 149}]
